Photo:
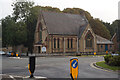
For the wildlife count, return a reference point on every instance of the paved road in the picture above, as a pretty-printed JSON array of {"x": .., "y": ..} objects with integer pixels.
[{"x": 54, "y": 67}]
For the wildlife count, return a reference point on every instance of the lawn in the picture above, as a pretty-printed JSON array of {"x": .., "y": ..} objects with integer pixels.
[{"x": 102, "y": 64}]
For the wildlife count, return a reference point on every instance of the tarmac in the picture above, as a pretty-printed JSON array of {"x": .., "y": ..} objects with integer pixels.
[{"x": 10, "y": 77}]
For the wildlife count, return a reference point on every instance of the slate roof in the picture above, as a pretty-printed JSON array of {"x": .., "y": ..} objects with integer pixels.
[
  {"x": 64, "y": 23},
  {"x": 101, "y": 40}
]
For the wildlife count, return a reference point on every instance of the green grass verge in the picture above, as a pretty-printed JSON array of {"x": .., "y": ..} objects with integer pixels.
[{"x": 102, "y": 64}]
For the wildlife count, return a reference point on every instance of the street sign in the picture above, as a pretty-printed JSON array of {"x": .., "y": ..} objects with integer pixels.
[
  {"x": 43, "y": 49},
  {"x": 74, "y": 68}
]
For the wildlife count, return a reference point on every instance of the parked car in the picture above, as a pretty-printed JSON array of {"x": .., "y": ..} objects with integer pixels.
[
  {"x": 115, "y": 54},
  {"x": 8, "y": 53},
  {"x": 2, "y": 53}
]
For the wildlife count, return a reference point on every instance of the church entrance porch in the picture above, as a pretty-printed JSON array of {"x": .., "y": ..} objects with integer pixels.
[{"x": 37, "y": 48}]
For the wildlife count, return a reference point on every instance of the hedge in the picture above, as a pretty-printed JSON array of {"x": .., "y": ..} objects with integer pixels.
[{"x": 112, "y": 60}]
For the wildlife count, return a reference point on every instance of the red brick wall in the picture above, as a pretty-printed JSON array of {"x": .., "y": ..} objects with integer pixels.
[{"x": 102, "y": 49}]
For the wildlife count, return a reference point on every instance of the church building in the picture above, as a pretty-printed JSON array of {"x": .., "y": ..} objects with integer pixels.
[{"x": 67, "y": 33}]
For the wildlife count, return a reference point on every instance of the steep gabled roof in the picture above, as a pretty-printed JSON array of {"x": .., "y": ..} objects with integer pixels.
[
  {"x": 64, "y": 23},
  {"x": 101, "y": 40}
]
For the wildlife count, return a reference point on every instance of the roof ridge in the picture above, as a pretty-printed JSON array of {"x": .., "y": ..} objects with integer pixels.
[{"x": 61, "y": 13}]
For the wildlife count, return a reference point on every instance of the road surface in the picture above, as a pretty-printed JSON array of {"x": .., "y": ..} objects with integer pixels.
[{"x": 55, "y": 67}]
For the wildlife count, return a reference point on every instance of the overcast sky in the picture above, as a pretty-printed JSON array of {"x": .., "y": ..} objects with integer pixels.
[{"x": 106, "y": 10}]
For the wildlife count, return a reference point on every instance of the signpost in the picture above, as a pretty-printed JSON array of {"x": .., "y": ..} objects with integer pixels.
[
  {"x": 74, "y": 68},
  {"x": 43, "y": 49}
]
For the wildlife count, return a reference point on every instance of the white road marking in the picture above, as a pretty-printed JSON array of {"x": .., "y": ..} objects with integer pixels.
[
  {"x": 37, "y": 77},
  {"x": 18, "y": 76},
  {"x": 35, "y": 66},
  {"x": 17, "y": 58},
  {"x": 12, "y": 77}
]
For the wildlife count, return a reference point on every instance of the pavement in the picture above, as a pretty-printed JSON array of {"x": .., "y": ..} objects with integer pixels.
[{"x": 56, "y": 67}]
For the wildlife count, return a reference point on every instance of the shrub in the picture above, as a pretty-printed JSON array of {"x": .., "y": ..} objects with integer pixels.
[
  {"x": 107, "y": 58},
  {"x": 118, "y": 52},
  {"x": 114, "y": 61}
]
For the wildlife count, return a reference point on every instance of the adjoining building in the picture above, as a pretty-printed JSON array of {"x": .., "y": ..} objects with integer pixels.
[
  {"x": 67, "y": 33},
  {"x": 104, "y": 44}
]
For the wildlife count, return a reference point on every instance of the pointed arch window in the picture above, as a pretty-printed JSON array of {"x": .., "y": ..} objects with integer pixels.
[
  {"x": 68, "y": 43},
  {"x": 40, "y": 30},
  {"x": 58, "y": 43},
  {"x": 71, "y": 43},
  {"x": 54, "y": 43},
  {"x": 89, "y": 40}
]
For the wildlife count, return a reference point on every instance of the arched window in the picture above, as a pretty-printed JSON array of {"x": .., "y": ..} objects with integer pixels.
[
  {"x": 58, "y": 43},
  {"x": 40, "y": 30},
  {"x": 71, "y": 43},
  {"x": 89, "y": 40},
  {"x": 68, "y": 43},
  {"x": 54, "y": 43}
]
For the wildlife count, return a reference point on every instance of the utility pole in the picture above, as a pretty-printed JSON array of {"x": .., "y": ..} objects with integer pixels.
[{"x": 118, "y": 30}]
